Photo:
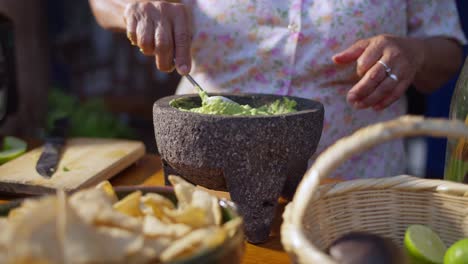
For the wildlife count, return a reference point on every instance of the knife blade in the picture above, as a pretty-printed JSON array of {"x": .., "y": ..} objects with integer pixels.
[{"x": 54, "y": 143}]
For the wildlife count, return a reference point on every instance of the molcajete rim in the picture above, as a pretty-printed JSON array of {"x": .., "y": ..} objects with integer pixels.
[{"x": 304, "y": 105}]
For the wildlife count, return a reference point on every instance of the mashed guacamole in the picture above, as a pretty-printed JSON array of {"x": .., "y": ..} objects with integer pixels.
[{"x": 217, "y": 106}]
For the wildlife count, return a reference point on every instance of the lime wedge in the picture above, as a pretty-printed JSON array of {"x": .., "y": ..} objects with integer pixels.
[
  {"x": 12, "y": 148},
  {"x": 457, "y": 253},
  {"x": 423, "y": 245}
]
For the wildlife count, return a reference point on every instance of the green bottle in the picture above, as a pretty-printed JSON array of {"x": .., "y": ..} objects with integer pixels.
[{"x": 456, "y": 163}]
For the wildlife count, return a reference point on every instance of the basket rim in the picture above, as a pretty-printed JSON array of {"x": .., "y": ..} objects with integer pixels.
[
  {"x": 402, "y": 182},
  {"x": 292, "y": 231}
]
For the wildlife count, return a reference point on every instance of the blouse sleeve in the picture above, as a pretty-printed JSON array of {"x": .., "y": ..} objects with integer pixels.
[{"x": 434, "y": 18}]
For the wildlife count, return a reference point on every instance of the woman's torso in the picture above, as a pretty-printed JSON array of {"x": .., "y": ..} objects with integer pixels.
[{"x": 285, "y": 47}]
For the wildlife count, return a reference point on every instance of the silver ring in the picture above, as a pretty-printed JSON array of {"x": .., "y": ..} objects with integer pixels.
[
  {"x": 393, "y": 77},
  {"x": 387, "y": 69}
]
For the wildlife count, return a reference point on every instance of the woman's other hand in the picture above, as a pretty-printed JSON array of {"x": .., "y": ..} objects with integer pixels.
[
  {"x": 162, "y": 29},
  {"x": 387, "y": 65}
]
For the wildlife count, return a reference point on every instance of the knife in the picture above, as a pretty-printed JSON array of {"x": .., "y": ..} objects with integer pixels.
[{"x": 50, "y": 156}]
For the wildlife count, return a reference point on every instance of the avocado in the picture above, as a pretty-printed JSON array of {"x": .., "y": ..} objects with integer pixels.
[{"x": 365, "y": 248}]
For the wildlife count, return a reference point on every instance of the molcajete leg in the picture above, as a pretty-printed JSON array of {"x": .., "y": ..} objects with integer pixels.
[
  {"x": 295, "y": 173},
  {"x": 256, "y": 192}
]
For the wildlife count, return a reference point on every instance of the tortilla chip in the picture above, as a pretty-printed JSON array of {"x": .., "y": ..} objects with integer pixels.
[
  {"x": 34, "y": 236},
  {"x": 154, "y": 204},
  {"x": 95, "y": 207},
  {"x": 24, "y": 207},
  {"x": 90, "y": 203},
  {"x": 4, "y": 239},
  {"x": 109, "y": 190},
  {"x": 130, "y": 204},
  {"x": 183, "y": 190},
  {"x": 195, "y": 217},
  {"x": 89, "y": 196},
  {"x": 85, "y": 243},
  {"x": 151, "y": 251},
  {"x": 217, "y": 237},
  {"x": 195, "y": 241},
  {"x": 189, "y": 196},
  {"x": 153, "y": 227},
  {"x": 210, "y": 204},
  {"x": 232, "y": 226}
]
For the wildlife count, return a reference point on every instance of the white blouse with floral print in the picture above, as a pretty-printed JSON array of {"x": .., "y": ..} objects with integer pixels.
[{"x": 285, "y": 47}]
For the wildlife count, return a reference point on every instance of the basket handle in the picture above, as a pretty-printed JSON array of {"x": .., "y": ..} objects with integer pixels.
[{"x": 364, "y": 139}]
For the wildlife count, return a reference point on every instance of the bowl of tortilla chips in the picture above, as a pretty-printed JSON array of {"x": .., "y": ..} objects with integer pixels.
[{"x": 182, "y": 224}]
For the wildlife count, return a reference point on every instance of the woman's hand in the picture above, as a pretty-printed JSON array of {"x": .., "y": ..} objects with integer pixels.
[
  {"x": 387, "y": 66},
  {"x": 162, "y": 29}
]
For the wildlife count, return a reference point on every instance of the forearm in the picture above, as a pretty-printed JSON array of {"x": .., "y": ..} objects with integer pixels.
[
  {"x": 442, "y": 59},
  {"x": 109, "y": 13}
]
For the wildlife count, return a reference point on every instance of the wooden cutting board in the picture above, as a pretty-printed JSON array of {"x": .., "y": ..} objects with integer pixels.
[{"x": 84, "y": 162}]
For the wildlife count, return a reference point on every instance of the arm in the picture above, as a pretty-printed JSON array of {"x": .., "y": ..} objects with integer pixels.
[
  {"x": 159, "y": 28},
  {"x": 109, "y": 13},
  {"x": 442, "y": 60},
  {"x": 425, "y": 62}
]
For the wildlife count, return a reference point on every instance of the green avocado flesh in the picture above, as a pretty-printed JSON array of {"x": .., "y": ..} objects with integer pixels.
[{"x": 217, "y": 106}]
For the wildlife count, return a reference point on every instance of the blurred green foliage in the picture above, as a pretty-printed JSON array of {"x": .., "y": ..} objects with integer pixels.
[{"x": 87, "y": 119}]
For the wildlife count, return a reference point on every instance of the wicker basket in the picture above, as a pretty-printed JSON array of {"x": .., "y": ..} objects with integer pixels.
[{"x": 319, "y": 215}]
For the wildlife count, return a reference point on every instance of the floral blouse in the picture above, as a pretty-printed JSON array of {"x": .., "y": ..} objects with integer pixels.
[{"x": 285, "y": 47}]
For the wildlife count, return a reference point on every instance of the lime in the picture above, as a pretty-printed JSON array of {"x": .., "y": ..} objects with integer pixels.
[
  {"x": 12, "y": 148},
  {"x": 457, "y": 253},
  {"x": 423, "y": 245}
]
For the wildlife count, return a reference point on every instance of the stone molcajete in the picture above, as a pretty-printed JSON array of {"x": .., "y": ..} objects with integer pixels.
[{"x": 256, "y": 158}]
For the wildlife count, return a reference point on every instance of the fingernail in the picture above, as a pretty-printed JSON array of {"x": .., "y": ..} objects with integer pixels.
[
  {"x": 335, "y": 58},
  {"x": 352, "y": 97},
  {"x": 183, "y": 69},
  {"x": 359, "y": 105}
]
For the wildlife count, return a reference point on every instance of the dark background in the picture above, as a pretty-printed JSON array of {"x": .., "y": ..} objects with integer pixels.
[{"x": 91, "y": 62}]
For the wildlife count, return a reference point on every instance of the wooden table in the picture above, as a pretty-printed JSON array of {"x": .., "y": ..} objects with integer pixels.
[{"x": 148, "y": 171}]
